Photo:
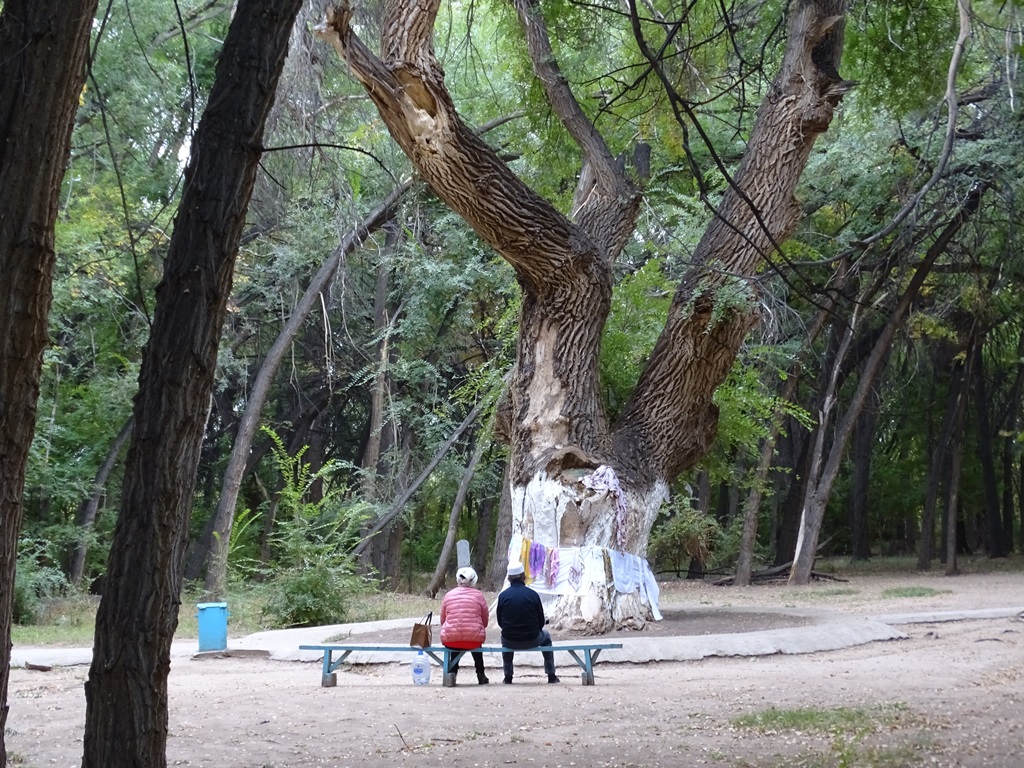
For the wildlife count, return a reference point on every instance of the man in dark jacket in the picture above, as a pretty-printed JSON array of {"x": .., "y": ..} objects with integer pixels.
[{"x": 521, "y": 618}]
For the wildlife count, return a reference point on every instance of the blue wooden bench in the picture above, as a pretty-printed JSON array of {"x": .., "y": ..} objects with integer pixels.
[{"x": 584, "y": 654}]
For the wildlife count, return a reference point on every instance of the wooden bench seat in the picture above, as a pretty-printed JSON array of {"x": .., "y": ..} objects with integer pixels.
[{"x": 584, "y": 654}]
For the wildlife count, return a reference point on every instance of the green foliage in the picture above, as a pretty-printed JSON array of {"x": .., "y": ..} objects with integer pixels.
[
  {"x": 314, "y": 574},
  {"x": 682, "y": 533},
  {"x": 639, "y": 308},
  {"x": 36, "y": 580},
  {"x": 899, "y": 52}
]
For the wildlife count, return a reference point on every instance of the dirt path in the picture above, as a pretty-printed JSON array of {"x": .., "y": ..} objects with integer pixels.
[{"x": 950, "y": 695}]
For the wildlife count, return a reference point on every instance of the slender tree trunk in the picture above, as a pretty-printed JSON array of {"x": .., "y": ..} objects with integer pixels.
[
  {"x": 43, "y": 54},
  {"x": 503, "y": 534},
  {"x": 752, "y": 505},
  {"x": 814, "y": 504},
  {"x": 939, "y": 462},
  {"x": 1007, "y": 487},
  {"x": 956, "y": 457},
  {"x": 126, "y": 692},
  {"x": 453, "y": 521},
  {"x": 798, "y": 449},
  {"x": 1020, "y": 504},
  {"x": 993, "y": 521},
  {"x": 487, "y": 519},
  {"x": 216, "y": 572},
  {"x": 863, "y": 445},
  {"x": 86, "y": 515}
]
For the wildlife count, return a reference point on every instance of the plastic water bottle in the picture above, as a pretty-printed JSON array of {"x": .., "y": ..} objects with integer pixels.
[{"x": 420, "y": 669}]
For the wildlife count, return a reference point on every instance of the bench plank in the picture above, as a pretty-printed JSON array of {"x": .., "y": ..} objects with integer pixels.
[{"x": 447, "y": 657}]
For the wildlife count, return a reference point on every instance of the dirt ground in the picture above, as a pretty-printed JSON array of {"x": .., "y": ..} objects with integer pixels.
[{"x": 952, "y": 694}]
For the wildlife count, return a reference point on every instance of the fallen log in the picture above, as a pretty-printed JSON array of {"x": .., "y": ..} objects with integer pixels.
[{"x": 775, "y": 573}]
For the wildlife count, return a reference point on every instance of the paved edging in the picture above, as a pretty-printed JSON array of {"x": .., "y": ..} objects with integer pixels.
[{"x": 829, "y": 632}]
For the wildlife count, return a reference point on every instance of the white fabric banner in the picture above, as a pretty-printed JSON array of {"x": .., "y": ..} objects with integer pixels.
[{"x": 571, "y": 570}]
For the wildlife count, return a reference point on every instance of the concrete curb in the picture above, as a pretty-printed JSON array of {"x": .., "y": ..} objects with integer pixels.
[{"x": 827, "y": 632}]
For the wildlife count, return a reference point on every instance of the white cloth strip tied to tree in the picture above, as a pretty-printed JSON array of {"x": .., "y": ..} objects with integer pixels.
[{"x": 587, "y": 567}]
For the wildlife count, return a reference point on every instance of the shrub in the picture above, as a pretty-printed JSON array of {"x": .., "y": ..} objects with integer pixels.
[{"x": 35, "y": 581}]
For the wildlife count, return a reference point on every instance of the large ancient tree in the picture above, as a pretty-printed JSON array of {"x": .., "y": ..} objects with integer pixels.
[
  {"x": 555, "y": 419},
  {"x": 44, "y": 47},
  {"x": 126, "y": 693}
]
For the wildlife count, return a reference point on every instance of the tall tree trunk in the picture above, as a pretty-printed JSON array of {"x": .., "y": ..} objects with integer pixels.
[
  {"x": 1006, "y": 456},
  {"x": 863, "y": 445},
  {"x": 752, "y": 505},
  {"x": 939, "y": 462},
  {"x": 503, "y": 534},
  {"x": 85, "y": 518},
  {"x": 956, "y": 457},
  {"x": 555, "y": 418},
  {"x": 216, "y": 571},
  {"x": 797, "y": 448},
  {"x": 993, "y": 521},
  {"x": 44, "y": 47},
  {"x": 453, "y": 521},
  {"x": 821, "y": 487},
  {"x": 126, "y": 692}
]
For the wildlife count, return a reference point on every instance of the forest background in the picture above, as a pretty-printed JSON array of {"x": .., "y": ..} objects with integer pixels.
[
  {"x": 370, "y": 331},
  {"x": 307, "y": 358}
]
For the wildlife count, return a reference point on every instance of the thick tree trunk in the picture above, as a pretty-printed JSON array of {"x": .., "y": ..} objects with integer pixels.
[
  {"x": 561, "y": 441},
  {"x": 126, "y": 692},
  {"x": 44, "y": 47}
]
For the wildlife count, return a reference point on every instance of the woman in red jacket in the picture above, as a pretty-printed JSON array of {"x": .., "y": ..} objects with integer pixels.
[{"x": 464, "y": 620}]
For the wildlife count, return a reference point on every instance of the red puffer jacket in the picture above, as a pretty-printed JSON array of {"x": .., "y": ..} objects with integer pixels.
[{"x": 463, "y": 618}]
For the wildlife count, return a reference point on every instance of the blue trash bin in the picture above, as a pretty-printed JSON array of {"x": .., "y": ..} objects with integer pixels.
[{"x": 213, "y": 626}]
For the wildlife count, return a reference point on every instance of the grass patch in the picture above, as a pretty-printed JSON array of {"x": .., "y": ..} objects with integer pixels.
[
  {"x": 67, "y": 621},
  {"x": 839, "y": 720},
  {"x": 848, "y": 731},
  {"x": 827, "y": 593},
  {"x": 914, "y": 592}
]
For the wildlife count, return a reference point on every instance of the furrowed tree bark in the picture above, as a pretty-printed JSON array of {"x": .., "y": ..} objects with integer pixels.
[
  {"x": 44, "y": 47},
  {"x": 555, "y": 420},
  {"x": 126, "y": 692}
]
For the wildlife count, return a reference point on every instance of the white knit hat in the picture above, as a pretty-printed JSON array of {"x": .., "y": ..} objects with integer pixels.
[
  {"x": 515, "y": 568},
  {"x": 465, "y": 575}
]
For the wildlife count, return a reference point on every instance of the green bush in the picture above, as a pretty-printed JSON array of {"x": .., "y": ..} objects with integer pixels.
[
  {"x": 681, "y": 535},
  {"x": 315, "y": 595},
  {"x": 35, "y": 582},
  {"x": 313, "y": 573}
]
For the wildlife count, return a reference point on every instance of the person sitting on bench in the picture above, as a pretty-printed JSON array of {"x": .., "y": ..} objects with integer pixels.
[
  {"x": 464, "y": 620},
  {"x": 520, "y": 615}
]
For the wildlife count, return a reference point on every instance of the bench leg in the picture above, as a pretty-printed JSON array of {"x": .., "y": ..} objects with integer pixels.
[
  {"x": 450, "y": 659},
  {"x": 588, "y": 671},
  {"x": 328, "y": 679},
  {"x": 586, "y": 664}
]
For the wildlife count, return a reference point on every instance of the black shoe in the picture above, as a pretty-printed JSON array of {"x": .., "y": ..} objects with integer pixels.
[
  {"x": 482, "y": 680},
  {"x": 507, "y": 681},
  {"x": 553, "y": 679}
]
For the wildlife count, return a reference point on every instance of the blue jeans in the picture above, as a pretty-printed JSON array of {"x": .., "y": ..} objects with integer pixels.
[{"x": 543, "y": 639}]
